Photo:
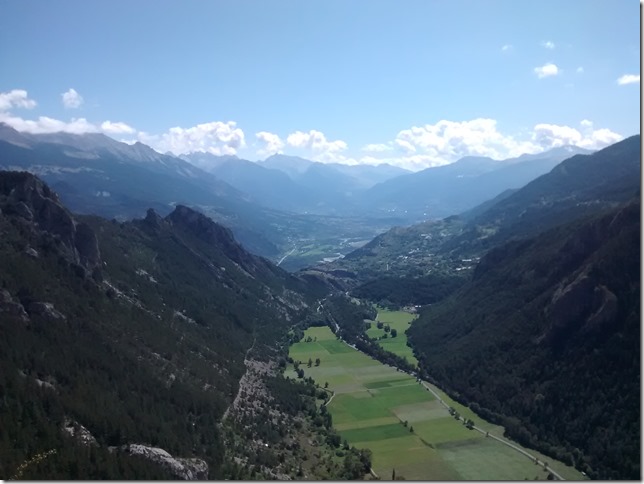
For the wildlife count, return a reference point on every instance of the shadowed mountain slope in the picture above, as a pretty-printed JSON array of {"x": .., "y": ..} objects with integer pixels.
[
  {"x": 545, "y": 339},
  {"x": 130, "y": 333}
]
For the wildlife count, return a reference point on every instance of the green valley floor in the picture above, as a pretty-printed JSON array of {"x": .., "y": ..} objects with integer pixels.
[{"x": 377, "y": 407}]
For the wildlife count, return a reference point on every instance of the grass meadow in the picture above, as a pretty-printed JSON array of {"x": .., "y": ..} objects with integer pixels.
[
  {"x": 372, "y": 402},
  {"x": 400, "y": 321}
]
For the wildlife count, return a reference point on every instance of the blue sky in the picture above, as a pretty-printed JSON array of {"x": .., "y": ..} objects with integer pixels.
[{"x": 412, "y": 83}]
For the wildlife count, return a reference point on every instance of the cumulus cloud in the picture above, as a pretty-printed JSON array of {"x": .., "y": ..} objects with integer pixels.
[
  {"x": 377, "y": 148},
  {"x": 548, "y": 44},
  {"x": 405, "y": 145},
  {"x": 71, "y": 99},
  {"x": 551, "y": 136},
  {"x": 16, "y": 98},
  {"x": 421, "y": 147},
  {"x": 45, "y": 124},
  {"x": 272, "y": 143},
  {"x": 629, "y": 79},
  {"x": 546, "y": 70},
  {"x": 108, "y": 127},
  {"x": 216, "y": 137},
  {"x": 316, "y": 141},
  {"x": 447, "y": 141}
]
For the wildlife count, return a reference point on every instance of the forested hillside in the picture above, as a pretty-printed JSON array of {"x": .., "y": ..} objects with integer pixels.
[
  {"x": 545, "y": 340},
  {"x": 125, "y": 334}
]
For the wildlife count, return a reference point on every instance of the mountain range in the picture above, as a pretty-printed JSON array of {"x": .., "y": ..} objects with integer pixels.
[
  {"x": 95, "y": 174},
  {"x": 580, "y": 185},
  {"x": 451, "y": 189},
  {"x": 267, "y": 204}
]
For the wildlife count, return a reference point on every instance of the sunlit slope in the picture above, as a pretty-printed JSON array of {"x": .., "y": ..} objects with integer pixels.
[{"x": 371, "y": 403}]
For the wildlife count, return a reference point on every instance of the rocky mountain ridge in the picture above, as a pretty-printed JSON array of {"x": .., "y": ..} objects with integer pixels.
[{"x": 137, "y": 331}]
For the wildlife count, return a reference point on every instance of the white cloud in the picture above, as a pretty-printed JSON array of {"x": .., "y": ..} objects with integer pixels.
[
  {"x": 600, "y": 138},
  {"x": 16, "y": 98},
  {"x": 551, "y": 135},
  {"x": 71, "y": 99},
  {"x": 216, "y": 137},
  {"x": 415, "y": 148},
  {"x": 548, "y": 44},
  {"x": 447, "y": 141},
  {"x": 421, "y": 147},
  {"x": 629, "y": 79},
  {"x": 546, "y": 70},
  {"x": 46, "y": 124},
  {"x": 316, "y": 141},
  {"x": 405, "y": 145},
  {"x": 273, "y": 143},
  {"x": 377, "y": 148},
  {"x": 108, "y": 127},
  {"x": 580, "y": 70},
  {"x": 507, "y": 48}
]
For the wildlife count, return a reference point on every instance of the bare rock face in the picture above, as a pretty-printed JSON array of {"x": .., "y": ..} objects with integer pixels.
[
  {"x": 581, "y": 305},
  {"x": 189, "y": 469},
  {"x": 31, "y": 252},
  {"x": 572, "y": 301},
  {"x": 22, "y": 210},
  {"x": 46, "y": 310},
  {"x": 212, "y": 233},
  {"x": 25, "y": 196},
  {"x": 10, "y": 309},
  {"x": 87, "y": 246},
  {"x": 80, "y": 433}
]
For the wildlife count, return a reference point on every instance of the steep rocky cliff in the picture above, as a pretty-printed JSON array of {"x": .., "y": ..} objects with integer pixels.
[{"x": 39, "y": 208}]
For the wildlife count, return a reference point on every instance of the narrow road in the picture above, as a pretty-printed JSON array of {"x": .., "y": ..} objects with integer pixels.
[
  {"x": 329, "y": 401},
  {"x": 487, "y": 434},
  {"x": 282, "y": 259}
]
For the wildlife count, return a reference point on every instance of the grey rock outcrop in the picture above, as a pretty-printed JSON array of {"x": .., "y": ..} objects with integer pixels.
[
  {"x": 46, "y": 310},
  {"x": 25, "y": 196},
  {"x": 189, "y": 469}
]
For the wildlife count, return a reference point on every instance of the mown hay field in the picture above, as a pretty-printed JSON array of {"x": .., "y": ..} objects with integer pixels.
[{"x": 380, "y": 408}]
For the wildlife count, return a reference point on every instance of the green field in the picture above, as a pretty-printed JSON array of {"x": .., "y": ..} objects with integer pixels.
[
  {"x": 372, "y": 401},
  {"x": 400, "y": 321}
]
